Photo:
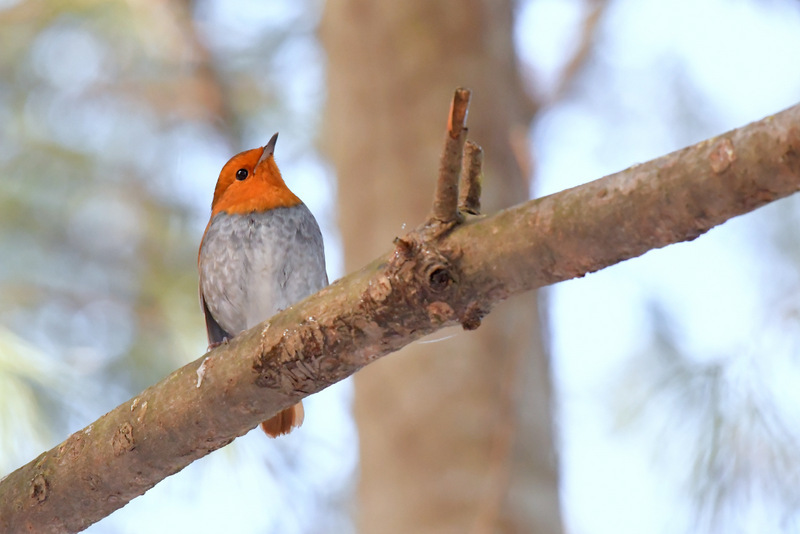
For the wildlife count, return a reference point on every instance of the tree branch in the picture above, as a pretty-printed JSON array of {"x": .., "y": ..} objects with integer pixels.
[
  {"x": 469, "y": 197},
  {"x": 445, "y": 200},
  {"x": 430, "y": 279}
]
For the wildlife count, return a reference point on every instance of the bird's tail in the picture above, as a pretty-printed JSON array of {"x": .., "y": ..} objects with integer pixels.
[{"x": 285, "y": 421}]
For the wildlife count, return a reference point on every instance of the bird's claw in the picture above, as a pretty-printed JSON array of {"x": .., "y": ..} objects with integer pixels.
[{"x": 216, "y": 344}]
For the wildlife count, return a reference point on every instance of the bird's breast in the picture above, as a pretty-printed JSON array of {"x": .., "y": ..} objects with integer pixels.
[{"x": 253, "y": 265}]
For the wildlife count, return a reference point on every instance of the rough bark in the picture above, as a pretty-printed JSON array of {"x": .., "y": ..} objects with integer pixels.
[
  {"x": 455, "y": 435},
  {"x": 430, "y": 280}
]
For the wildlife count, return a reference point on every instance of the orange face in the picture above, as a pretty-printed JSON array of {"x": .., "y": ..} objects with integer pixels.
[{"x": 251, "y": 181}]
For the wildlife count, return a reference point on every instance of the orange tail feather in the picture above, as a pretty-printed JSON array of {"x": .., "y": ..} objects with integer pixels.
[{"x": 285, "y": 421}]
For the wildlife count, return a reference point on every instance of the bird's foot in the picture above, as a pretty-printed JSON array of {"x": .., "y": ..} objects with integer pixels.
[{"x": 216, "y": 344}]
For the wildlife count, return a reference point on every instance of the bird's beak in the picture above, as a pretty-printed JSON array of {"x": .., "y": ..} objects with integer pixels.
[{"x": 269, "y": 149}]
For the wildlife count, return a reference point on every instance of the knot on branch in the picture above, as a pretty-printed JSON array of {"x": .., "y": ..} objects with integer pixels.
[
  {"x": 472, "y": 316},
  {"x": 39, "y": 488},
  {"x": 436, "y": 271},
  {"x": 417, "y": 256},
  {"x": 122, "y": 441},
  {"x": 439, "y": 278}
]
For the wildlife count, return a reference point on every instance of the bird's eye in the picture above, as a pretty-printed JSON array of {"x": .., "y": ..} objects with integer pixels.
[{"x": 241, "y": 174}]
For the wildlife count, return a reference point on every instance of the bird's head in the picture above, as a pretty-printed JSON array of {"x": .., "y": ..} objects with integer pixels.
[{"x": 251, "y": 181}]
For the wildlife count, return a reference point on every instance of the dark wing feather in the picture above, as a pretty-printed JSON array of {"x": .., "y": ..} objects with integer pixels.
[{"x": 216, "y": 334}]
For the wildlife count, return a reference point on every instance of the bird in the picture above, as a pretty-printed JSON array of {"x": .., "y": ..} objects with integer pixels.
[{"x": 261, "y": 252}]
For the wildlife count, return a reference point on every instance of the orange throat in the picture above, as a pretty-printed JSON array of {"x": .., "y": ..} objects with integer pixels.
[{"x": 255, "y": 196}]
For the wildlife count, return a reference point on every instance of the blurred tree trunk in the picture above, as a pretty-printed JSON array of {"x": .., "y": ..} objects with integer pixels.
[{"x": 456, "y": 436}]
